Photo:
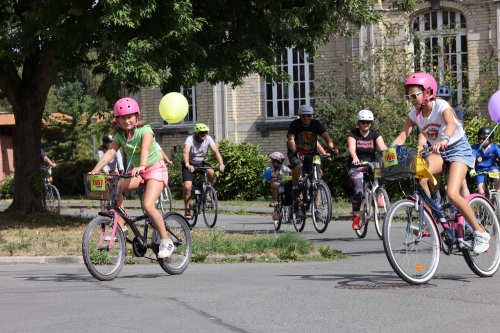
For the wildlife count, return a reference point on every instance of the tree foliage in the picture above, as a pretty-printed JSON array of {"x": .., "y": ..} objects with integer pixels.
[{"x": 134, "y": 43}]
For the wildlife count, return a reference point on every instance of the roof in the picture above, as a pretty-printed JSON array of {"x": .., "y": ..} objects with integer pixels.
[{"x": 7, "y": 119}]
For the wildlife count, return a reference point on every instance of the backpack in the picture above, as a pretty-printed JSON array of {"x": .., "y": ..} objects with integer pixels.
[{"x": 285, "y": 193}]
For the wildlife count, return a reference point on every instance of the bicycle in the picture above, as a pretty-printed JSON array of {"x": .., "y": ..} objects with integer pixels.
[
  {"x": 203, "y": 198},
  {"x": 375, "y": 200},
  {"x": 283, "y": 208},
  {"x": 104, "y": 245},
  {"x": 51, "y": 200},
  {"x": 412, "y": 242},
  {"x": 310, "y": 187},
  {"x": 489, "y": 192}
]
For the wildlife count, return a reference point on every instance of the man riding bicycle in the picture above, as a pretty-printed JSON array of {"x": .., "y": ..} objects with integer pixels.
[
  {"x": 193, "y": 155},
  {"x": 302, "y": 142}
]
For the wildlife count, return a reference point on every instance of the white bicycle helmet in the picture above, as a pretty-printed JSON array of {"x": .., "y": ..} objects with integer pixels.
[
  {"x": 365, "y": 115},
  {"x": 306, "y": 109}
]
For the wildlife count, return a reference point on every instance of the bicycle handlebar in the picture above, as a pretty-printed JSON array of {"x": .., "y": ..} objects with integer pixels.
[{"x": 205, "y": 168}]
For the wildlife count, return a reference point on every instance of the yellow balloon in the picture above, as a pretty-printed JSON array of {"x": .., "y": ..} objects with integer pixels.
[{"x": 173, "y": 107}]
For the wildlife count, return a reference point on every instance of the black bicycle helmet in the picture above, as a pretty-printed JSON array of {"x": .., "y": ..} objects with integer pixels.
[
  {"x": 485, "y": 131},
  {"x": 107, "y": 138}
]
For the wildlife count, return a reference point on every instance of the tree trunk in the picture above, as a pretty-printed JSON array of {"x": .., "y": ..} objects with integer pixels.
[{"x": 28, "y": 111}]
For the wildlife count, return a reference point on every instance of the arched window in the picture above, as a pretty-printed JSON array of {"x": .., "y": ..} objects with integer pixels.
[
  {"x": 283, "y": 101},
  {"x": 440, "y": 47}
]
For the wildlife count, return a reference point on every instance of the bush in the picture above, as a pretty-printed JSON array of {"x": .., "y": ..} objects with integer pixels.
[
  {"x": 242, "y": 178},
  {"x": 68, "y": 176},
  {"x": 6, "y": 187}
]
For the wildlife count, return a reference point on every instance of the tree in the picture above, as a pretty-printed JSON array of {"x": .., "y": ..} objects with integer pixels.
[{"x": 156, "y": 43}]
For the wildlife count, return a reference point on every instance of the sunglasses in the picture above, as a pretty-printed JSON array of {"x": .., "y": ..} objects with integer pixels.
[
  {"x": 481, "y": 138},
  {"x": 202, "y": 133},
  {"x": 306, "y": 115},
  {"x": 411, "y": 97},
  {"x": 364, "y": 122}
]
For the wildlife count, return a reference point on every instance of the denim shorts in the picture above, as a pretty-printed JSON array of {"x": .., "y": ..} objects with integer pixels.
[{"x": 460, "y": 151}]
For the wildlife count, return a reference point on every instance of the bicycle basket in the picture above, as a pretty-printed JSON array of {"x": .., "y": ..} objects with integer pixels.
[
  {"x": 103, "y": 187},
  {"x": 405, "y": 166}
]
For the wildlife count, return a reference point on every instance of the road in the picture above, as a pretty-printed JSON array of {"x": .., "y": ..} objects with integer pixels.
[{"x": 358, "y": 294}]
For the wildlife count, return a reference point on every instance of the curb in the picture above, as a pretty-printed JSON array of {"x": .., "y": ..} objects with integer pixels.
[{"x": 42, "y": 260}]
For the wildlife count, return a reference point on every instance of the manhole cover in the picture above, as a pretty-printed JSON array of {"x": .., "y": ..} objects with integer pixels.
[{"x": 384, "y": 286}]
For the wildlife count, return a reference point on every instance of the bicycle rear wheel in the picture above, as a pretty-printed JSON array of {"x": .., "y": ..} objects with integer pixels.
[
  {"x": 380, "y": 211},
  {"x": 364, "y": 214},
  {"x": 52, "y": 199},
  {"x": 178, "y": 231},
  {"x": 102, "y": 262},
  {"x": 210, "y": 206},
  {"x": 194, "y": 208},
  {"x": 495, "y": 200},
  {"x": 321, "y": 207},
  {"x": 486, "y": 263},
  {"x": 414, "y": 260}
]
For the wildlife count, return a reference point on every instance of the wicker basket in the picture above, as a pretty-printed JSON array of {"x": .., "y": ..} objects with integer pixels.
[
  {"x": 406, "y": 166},
  {"x": 107, "y": 190}
]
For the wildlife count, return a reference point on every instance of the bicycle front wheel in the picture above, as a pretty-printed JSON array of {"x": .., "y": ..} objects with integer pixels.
[
  {"x": 299, "y": 217},
  {"x": 381, "y": 205},
  {"x": 102, "y": 261},
  {"x": 178, "y": 231},
  {"x": 321, "y": 207},
  {"x": 486, "y": 263},
  {"x": 364, "y": 214},
  {"x": 52, "y": 199},
  {"x": 414, "y": 260},
  {"x": 210, "y": 206}
]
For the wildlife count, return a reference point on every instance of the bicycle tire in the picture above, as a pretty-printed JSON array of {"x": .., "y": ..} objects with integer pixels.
[
  {"x": 364, "y": 214},
  {"x": 165, "y": 200},
  {"x": 321, "y": 213},
  {"x": 210, "y": 206},
  {"x": 413, "y": 262},
  {"x": 299, "y": 222},
  {"x": 179, "y": 232},
  {"x": 379, "y": 212},
  {"x": 52, "y": 199},
  {"x": 103, "y": 264},
  {"x": 193, "y": 208},
  {"x": 486, "y": 263},
  {"x": 277, "y": 223},
  {"x": 495, "y": 200}
]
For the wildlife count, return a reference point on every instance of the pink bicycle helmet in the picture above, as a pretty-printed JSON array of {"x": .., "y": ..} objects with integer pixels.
[
  {"x": 277, "y": 156},
  {"x": 426, "y": 81},
  {"x": 126, "y": 106}
]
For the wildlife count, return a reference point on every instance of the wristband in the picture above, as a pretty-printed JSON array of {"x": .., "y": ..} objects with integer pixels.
[{"x": 445, "y": 137}]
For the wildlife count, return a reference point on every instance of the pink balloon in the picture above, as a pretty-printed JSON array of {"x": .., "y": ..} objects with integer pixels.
[{"x": 494, "y": 107}]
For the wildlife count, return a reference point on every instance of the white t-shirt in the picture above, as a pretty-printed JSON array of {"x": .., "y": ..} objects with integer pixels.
[
  {"x": 198, "y": 150},
  {"x": 433, "y": 127},
  {"x": 285, "y": 171}
]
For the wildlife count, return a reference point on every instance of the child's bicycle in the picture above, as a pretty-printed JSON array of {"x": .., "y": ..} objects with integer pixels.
[
  {"x": 489, "y": 191},
  {"x": 412, "y": 241},
  {"x": 282, "y": 210},
  {"x": 375, "y": 201},
  {"x": 104, "y": 244}
]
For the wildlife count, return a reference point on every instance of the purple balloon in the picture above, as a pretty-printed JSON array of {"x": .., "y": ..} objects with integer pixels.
[{"x": 494, "y": 107}]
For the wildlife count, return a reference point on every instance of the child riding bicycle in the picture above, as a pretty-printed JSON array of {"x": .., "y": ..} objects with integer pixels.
[
  {"x": 485, "y": 154},
  {"x": 138, "y": 141}
]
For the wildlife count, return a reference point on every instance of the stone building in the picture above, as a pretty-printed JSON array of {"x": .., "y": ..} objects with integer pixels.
[{"x": 259, "y": 112}]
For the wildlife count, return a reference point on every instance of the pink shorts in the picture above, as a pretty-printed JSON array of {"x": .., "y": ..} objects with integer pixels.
[{"x": 157, "y": 171}]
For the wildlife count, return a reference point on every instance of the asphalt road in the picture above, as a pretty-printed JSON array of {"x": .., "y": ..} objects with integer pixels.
[{"x": 358, "y": 294}]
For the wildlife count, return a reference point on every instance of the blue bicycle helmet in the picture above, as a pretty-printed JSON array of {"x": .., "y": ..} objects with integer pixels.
[{"x": 443, "y": 92}]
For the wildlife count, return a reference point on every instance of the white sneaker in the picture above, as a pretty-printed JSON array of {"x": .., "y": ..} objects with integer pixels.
[
  {"x": 166, "y": 249},
  {"x": 107, "y": 237},
  {"x": 481, "y": 242}
]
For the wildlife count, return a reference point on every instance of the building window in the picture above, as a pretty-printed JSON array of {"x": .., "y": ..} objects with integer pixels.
[
  {"x": 440, "y": 47},
  {"x": 283, "y": 101},
  {"x": 191, "y": 97}
]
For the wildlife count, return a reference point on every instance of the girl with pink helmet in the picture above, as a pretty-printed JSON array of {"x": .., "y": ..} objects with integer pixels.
[
  {"x": 435, "y": 119},
  {"x": 277, "y": 170},
  {"x": 138, "y": 142}
]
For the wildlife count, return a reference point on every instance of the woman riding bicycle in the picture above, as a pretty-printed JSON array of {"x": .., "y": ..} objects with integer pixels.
[
  {"x": 138, "y": 141},
  {"x": 436, "y": 121},
  {"x": 361, "y": 143},
  {"x": 485, "y": 157}
]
